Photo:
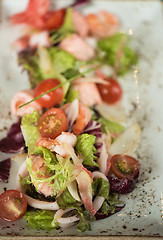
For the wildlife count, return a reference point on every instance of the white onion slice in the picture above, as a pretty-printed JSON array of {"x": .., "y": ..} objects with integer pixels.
[
  {"x": 114, "y": 112},
  {"x": 19, "y": 158},
  {"x": 31, "y": 201},
  {"x": 67, "y": 221},
  {"x": 97, "y": 174},
  {"x": 97, "y": 203},
  {"x": 127, "y": 142},
  {"x": 102, "y": 160},
  {"x": 72, "y": 187}
]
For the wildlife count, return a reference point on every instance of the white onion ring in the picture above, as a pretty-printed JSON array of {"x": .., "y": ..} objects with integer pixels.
[
  {"x": 98, "y": 174},
  {"x": 97, "y": 203},
  {"x": 67, "y": 221},
  {"x": 31, "y": 201}
]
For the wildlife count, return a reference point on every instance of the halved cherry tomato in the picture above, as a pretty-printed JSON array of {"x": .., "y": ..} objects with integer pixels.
[
  {"x": 13, "y": 205},
  {"x": 110, "y": 93},
  {"x": 124, "y": 166},
  {"x": 52, "y": 123},
  {"x": 52, "y": 98},
  {"x": 54, "y": 19}
]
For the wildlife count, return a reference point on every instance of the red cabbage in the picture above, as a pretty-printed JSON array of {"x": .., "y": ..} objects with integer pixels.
[
  {"x": 5, "y": 169},
  {"x": 79, "y": 2},
  {"x": 14, "y": 141},
  {"x": 100, "y": 216}
]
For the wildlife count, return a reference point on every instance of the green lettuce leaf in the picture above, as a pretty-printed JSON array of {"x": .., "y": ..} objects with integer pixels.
[
  {"x": 84, "y": 222},
  {"x": 48, "y": 156},
  {"x": 113, "y": 127},
  {"x": 40, "y": 219},
  {"x": 85, "y": 147},
  {"x": 101, "y": 188},
  {"x": 110, "y": 204},
  {"x": 66, "y": 200},
  {"x": 30, "y": 131},
  {"x": 61, "y": 173},
  {"x": 116, "y": 45}
]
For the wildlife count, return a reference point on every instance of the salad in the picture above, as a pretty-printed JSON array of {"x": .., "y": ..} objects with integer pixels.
[{"x": 72, "y": 143}]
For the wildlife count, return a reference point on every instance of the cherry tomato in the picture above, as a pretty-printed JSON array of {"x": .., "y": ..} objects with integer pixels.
[
  {"x": 52, "y": 98},
  {"x": 110, "y": 93},
  {"x": 54, "y": 19},
  {"x": 13, "y": 205},
  {"x": 52, "y": 123},
  {"x": 124, "y": 166}
]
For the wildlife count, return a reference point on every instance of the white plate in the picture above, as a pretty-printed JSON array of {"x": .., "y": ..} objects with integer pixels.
[{"x": 143, "y": 88}]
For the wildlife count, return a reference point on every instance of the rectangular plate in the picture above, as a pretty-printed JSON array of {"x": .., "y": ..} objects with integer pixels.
[{"x": 143, "y": 98}]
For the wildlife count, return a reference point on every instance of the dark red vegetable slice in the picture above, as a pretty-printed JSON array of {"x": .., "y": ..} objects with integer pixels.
[
  {"x": 5, "y": 169},
  {"x": 14, "y": 141}
]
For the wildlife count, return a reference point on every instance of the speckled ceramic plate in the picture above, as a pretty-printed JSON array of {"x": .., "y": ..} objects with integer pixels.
[{"x": 143, "y": 98}]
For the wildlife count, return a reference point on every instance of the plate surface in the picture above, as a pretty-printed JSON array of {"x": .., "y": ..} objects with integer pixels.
[{"x": 143, "y": 99}]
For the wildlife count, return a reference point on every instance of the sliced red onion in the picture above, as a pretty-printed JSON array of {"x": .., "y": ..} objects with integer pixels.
[
  {"x": 14, "y": 141},
  {"x": 5, "y": 169}
]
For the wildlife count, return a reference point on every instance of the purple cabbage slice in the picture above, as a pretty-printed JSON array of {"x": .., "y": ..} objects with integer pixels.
[
  {"x": 122, "y": 185},
  {"x": 5, "y": 169},
  {"x": 100, "y": 216},
  {"x": 14, "y": 141},
  {"x": 80, "y": 2}
]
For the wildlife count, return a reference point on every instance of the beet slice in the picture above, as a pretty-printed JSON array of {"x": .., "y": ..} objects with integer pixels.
[
  {"x": 14, "y": 141},
  {"x": 5, "y": 169},
  {"x": 122, "y": 185}
]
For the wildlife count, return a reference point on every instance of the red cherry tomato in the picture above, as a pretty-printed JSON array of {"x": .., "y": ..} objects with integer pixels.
[
  {"x": 110, "y": 93},
  {"x": 54, "y": 19},
  {"x": 52, "y": 123},
  {"x": 124, "y": 166},
  {"x": 52, "y": 98},
  {"x": 13, "y": 205}
]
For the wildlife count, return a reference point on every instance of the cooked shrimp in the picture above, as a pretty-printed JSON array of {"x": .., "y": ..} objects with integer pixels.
[
  {"x": 78, "y": 47},
  {"x": 22, "y": 97},
  {"x": 82, "y": 120},
  {"x": 88, "y": 93},
  {"x": 80, "y": 23},
  {"x": 103, "y": 24},
  {"x": 39, "y": 168},
  {"x": 57, "y": 145}
]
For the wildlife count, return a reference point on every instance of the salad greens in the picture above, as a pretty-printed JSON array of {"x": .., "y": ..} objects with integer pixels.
[
  {"x": 117, "y": 52},
  {"x": 80, "y": 157},
  {"x": 30, "y": 130},
  {"x": 85, "y": 147}
]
